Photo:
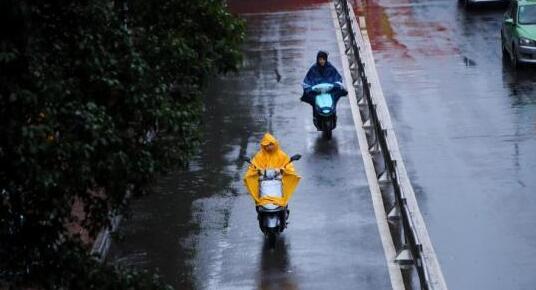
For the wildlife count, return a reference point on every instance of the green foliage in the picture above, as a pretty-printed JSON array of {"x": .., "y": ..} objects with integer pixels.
[{"x": 90, "y": 110}]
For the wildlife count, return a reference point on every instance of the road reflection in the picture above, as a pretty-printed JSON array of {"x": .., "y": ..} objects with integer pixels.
[
  {"x": 326, "y": 147},
  {"x": 521, "y": 83},
  {"x": 275, "y": 269}
]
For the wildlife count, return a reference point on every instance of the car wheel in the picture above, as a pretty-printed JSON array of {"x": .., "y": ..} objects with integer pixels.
[
  {"x": 505, "y": 54},
  {"x": 514, "y": 58}
]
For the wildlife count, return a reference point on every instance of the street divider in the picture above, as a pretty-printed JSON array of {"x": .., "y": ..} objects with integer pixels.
[{"x": 414, "y": 248}]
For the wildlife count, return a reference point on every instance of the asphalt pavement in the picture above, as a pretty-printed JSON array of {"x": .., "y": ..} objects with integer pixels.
[
  {"x": 466, "y": 124},
  {"x": 200, "y": 230}
]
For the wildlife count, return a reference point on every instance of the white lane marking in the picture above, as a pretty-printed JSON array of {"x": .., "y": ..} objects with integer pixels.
[{"x": 377, "y": 200}]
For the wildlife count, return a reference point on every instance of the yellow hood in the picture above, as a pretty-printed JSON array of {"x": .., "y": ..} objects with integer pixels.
[{"x": 275, "y": 159}]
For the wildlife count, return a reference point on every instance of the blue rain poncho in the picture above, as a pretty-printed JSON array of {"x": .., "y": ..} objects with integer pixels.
[{"x": 318, "y": 74}]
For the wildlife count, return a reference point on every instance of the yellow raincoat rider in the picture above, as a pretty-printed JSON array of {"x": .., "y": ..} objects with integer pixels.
[{"x": 271, "y": 156}]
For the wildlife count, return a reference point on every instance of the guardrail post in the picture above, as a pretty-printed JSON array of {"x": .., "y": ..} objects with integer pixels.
[
  {"x": 404, "y": 256},
  {"x": 384, "y": 176},
  {"x": 374, "y": 149},
  {"x": 394, "y": 213},
  {"x": 394, "y": 176}
]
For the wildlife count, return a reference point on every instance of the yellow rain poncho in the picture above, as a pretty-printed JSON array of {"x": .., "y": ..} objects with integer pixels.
[{"x": 275, "y": 159}]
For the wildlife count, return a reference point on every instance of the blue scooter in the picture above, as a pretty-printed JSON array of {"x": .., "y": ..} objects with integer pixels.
[{"x": 325, "y": 106}]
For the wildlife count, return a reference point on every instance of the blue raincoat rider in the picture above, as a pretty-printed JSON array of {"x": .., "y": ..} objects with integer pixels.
[{"x": 322, "y": 72}]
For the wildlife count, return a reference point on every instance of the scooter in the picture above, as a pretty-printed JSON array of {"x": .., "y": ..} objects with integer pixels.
[
  {"x": 272, "y": 218},
  {"x": 325, "y": 107}
]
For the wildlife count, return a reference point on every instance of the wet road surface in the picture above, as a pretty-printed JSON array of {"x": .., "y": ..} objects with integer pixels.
[
  {"x": 467, "y": 129},
  {"x": 200, "y": 229}
]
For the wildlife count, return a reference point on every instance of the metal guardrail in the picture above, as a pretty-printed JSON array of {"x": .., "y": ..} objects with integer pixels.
[
  {"x": 377, "y": 137},
  {"x": 103, "y": 241}
]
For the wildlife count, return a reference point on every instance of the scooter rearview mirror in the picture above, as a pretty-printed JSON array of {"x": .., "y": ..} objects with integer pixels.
[
  {"x": 247, "y": 159},
  {"x": 295, "y": 157}
]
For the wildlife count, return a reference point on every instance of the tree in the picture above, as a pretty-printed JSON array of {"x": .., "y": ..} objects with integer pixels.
[{"x": 90, "y": 110}]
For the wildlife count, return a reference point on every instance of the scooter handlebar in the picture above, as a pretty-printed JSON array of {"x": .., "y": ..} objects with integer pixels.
[{"x": 294, "y": 157}]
